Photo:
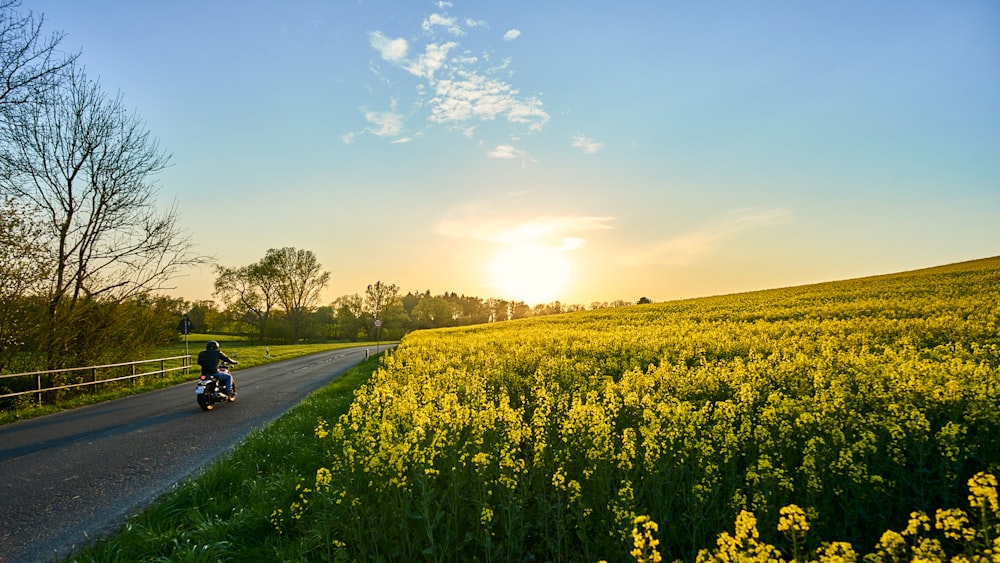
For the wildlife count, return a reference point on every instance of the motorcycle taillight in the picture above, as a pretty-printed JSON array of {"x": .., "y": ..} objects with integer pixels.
[{"x": 203, "y": 378}]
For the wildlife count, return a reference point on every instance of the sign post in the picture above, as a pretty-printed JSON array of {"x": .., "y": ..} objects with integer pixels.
[
  {"x": 378, "y": 333},
  {"x": 185, "y": 327}
]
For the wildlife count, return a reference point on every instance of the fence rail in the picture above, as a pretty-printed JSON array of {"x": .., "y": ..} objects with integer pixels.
[{"x": 135, "y": 373}]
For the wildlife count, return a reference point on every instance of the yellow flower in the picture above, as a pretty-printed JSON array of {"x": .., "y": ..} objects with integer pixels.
[
  {"x": 486, "y": 516},
  {"x": 918, "y": 522},
  {"x": 953, "y": 522},
  {"x": 743, "y": 546},
  {"x": 836, "y": 552},
  {"x": 645, "y": 543},
  {"x": 983, "y": 492},
  {"x": 892, "y": 543},
  {"x": 793, "y": 519},
  {"x": 323, "y": 478},
  {"x": 322, "y": 429}
]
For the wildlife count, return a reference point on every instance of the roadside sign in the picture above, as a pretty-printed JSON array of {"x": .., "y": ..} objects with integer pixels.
[
  {"x": 186, "y": 326},
  {"x": 378, "y": 323}
]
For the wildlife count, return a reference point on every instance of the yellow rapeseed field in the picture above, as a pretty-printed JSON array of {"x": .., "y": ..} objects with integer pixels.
[{"x": 806, "y": 423}]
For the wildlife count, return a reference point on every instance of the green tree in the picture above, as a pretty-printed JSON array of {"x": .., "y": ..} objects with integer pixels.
[
  {"x": 350, "y": 312},
  {"x": 205, "y": 316},
  {"x": 23, "y": 269},
  {"x": 324, "y": 322},
  {"x": 283, "y": 287},
  {"x": 395, "y": 322},
  {"x": 300, "y": 280},
  {"x": 411, "y": 299},
  {"x": 249, "y": 294},
  {"x": 434, "y": 312},
  {"x": 378, "y": 296}
]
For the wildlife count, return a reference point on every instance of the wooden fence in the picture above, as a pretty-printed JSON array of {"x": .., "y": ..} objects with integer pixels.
[{"x": 133, "y": 370}]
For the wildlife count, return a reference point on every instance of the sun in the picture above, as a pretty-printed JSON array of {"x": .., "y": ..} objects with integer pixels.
[{"x": 530, "y": 272}]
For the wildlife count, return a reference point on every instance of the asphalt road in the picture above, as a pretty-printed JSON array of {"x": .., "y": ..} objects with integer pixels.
[{"x": 69, "y": 478}]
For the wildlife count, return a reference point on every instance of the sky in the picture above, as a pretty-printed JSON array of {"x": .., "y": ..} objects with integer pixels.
[{"x": 574, "y": 151}]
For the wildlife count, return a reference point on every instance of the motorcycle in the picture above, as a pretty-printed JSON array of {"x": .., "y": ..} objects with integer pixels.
[{"x": 210, "y": 389}]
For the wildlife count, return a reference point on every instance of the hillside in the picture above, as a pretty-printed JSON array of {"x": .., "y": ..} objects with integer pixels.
[{"x": 859, "y": 400}]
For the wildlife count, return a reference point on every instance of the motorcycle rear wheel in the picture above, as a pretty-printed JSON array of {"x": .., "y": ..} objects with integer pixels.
[{"x": 205, "y": 403}]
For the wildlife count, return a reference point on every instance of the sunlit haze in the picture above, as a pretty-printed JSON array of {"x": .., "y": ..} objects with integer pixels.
[{"x": 572, "y": 151}]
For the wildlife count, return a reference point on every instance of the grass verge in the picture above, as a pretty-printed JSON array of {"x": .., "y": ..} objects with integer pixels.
[{"x": 224, "y": 513}]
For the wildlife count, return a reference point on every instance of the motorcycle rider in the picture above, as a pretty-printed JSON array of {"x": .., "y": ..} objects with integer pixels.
[{"x": 209, "y": 359}]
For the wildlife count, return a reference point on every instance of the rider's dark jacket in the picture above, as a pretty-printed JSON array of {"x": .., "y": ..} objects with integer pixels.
[{"x": 209, "y": 361}]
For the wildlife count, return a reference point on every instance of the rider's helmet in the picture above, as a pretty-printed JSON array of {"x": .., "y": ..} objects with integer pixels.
[{"x": 212, "y": 345}]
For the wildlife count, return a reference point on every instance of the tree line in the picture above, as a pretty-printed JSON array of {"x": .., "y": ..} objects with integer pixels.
[{"x": 277, "y": 300}]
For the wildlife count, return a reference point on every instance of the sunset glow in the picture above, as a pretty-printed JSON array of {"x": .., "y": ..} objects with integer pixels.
[{"x": 531, "y": 273}]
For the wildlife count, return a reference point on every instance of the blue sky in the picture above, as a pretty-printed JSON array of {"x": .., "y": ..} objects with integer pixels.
[{"x": 576, "y": 151}]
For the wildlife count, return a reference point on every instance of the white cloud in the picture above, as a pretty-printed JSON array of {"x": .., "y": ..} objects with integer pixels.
[
  {"x": 387, "y": 124},
  {"x": 393, "y": 50},
  {"x": 347, "y": 138},
  {"x": 431, "y": 61},
  {"x": 441, "y": 21},
  {"x": 510, "y": 152},
  {"x": 529, "y": 112},
  {"x": 474, "y": 96},
  {"x": 475, "y": 221},
  {"x": 683, "y": 248},
  {"x": 586, "y": 144},
  {"x": 505, "y": 151},
  {"x": 459, "y": 87},
  {"x": 504, "y": 64}
]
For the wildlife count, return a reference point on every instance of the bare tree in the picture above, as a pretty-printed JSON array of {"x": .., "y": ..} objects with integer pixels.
[
  {"x": 86, "y": 164},
  {"x": 30, "y": 62}
]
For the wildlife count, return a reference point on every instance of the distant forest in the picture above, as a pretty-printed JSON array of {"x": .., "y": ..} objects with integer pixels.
[{"x": 352, "y": 317}]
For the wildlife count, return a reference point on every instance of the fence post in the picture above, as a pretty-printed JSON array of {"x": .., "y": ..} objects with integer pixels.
[
  {"x": 94, "y": 390},
  {"x": 134, "y": 381},
  {"x": 38, "y": 378}
]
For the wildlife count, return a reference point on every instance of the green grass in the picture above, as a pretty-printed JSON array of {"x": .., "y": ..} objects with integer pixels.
[
  {"x": 224, "y": 514},
  {"x": 236, "y": 347}
]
